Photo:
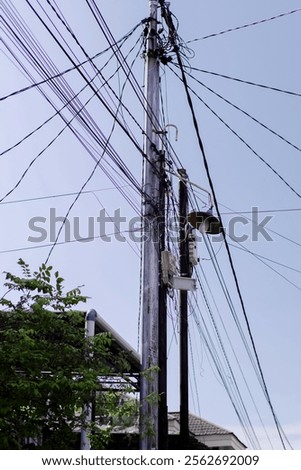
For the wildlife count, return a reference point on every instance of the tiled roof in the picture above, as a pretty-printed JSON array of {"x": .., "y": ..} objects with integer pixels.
[{"x": 201, "y": 427}]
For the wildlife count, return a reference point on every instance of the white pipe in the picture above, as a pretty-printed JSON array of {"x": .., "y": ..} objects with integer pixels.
[{"x": 85, "y": 443}]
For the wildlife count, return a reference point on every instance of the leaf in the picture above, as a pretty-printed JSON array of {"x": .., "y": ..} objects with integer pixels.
[{"x": 48, "y": 369}]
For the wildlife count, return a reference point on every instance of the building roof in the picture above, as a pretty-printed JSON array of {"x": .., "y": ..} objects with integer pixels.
[
  {"x": 200, "y": 427},
  {"x": 209, "y": 433}
]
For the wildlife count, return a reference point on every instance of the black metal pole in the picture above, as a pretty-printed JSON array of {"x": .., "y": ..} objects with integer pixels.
[
  {"x": 184, "y": 271},
  {"x": 162, "y": 360}
]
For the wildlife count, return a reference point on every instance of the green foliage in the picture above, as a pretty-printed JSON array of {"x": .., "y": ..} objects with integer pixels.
[{"x": 48, "y": 369}]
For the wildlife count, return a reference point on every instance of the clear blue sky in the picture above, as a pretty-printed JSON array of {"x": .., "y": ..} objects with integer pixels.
[{"x": 268, "y": 54}]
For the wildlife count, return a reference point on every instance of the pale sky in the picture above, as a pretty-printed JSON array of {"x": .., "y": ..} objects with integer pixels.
[{"x": 266, "y": 53}]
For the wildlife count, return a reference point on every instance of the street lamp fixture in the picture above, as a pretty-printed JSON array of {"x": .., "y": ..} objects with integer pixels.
[{"x": 205, "y": 222}]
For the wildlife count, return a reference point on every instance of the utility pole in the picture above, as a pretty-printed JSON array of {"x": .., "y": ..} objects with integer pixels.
[
  {"x": 149, "y": 393},
  {"x": 163, "y": 410},
  {"x": 185, "y": 272}
]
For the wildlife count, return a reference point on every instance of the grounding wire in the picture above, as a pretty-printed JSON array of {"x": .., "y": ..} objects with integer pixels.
[{"x": 83, "y": 186}]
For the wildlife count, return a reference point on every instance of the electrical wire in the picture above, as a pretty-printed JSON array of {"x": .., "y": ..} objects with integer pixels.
[
  {"x": 210, "y": 346},
  {"x": 294, "y": 242},
  {"x": 133, "y": 248},
  {"x": 236, "y": 134},
  {"x": 240, "y": 402},
  {"x": 194, "y": 373},
  {"x": 132, "y": 79},
  {"x": 42, "y": 152},
  {"x": 262, "y": 258},
  {"x": 99, "y": 97},
  {"x": 70, "y": 69},
  {"x": 123, "y": 64},
  {"x": 169, "y": 22},
  {"x": 238, "y": 108},
  {"x": 53, "y": 196},
  {"x": 65, "y": 242},
  {"x": 57, "y": 113},
  {"x": 232, "y": 309},
  {"x": 238, "y": 362},
  {"x": 76, "y": 133},
  {"x": 58, "y": 242},
  {"x": 255, "y": 23},
  {"x": 246, "y": 82},
  {"x": 82, "y": 188}
]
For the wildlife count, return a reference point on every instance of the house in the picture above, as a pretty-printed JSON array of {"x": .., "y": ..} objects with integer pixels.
[
  {"x": 212, "y": 436},
  {"x": 203, "y": 435}
]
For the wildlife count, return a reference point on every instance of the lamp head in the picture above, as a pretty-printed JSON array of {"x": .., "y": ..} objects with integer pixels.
[{"x": 205, "y": 222}]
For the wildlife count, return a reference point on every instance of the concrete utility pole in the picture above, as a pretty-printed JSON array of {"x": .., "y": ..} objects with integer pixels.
[{"x": 151, "y": 249}]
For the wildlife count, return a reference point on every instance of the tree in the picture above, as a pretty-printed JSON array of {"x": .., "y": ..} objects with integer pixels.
[{"x": 48, "y": 368}]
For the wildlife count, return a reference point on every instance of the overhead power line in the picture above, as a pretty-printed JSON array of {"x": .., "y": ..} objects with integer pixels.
[
  {"x": 57, "y": 113},
  {"x": 65, "y": 242},
  {"x": 53, "y": 196},
  {"x": 85, "y": 183},
  {"x": 237, "y": 28},
  {"x": 239, "y": 246},
  {"x": 229, "y": 369},
  {"x": 236, "y": 134},
  {"x": 169, "y": 21},
  {"x": 240, "y": 80},
  {"x": 97, "y": 95},
  {"x": 63, "y": 91},
  {"x": 265, "y": 211},
  {"x": 232, "y": 346},
  {"x": 33, "y": 161},
  {"x": 70, "y": 69},
  {"x": 238, "y": 108}
]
